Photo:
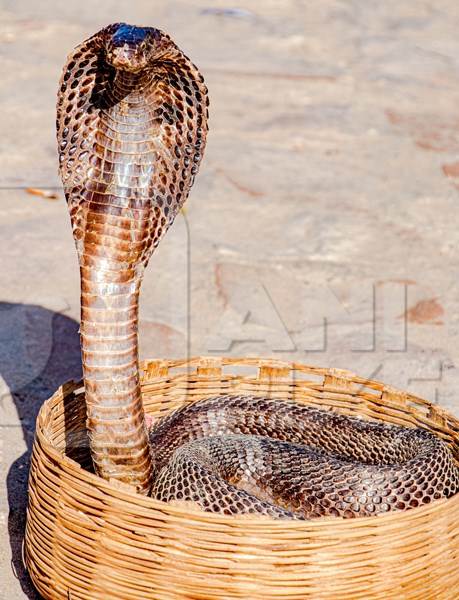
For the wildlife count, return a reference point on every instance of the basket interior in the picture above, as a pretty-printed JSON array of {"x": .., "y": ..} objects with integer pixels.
[{"x": 168, "y": 385}]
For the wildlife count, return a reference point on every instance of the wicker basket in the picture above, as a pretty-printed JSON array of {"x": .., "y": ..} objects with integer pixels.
[{"x": 87, "y": 538}]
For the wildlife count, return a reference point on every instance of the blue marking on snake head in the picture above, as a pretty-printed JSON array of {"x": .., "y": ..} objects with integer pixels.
[{"x": 129, "y": 34}]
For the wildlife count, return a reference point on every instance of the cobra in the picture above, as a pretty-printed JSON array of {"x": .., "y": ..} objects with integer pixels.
[{"x": 131, "y": 130}]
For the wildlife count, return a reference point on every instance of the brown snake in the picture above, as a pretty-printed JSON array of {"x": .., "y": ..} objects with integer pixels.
[{"x": 131, "y": 128}]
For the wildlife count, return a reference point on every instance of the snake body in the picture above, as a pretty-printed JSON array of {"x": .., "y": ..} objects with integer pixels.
[{"x": 131, "y": 128}]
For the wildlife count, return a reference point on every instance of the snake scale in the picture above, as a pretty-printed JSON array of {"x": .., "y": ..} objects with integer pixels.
[{"x": 131, "y": 127}]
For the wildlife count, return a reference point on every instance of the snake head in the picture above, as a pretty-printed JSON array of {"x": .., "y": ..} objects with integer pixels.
[{"x": 131, "y": 48}]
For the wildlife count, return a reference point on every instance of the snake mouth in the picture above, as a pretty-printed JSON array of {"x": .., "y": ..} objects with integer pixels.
[{"x": 126, "y": 58}]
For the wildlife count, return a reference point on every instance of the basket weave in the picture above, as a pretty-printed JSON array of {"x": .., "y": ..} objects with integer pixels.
[{"x": 88, "y": 538}]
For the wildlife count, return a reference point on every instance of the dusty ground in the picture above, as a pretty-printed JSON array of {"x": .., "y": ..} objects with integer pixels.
[{"x": 323, "y": 225}]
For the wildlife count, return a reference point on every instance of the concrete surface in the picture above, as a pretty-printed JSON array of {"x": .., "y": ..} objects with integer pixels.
[{"x": 323, "y": 225}]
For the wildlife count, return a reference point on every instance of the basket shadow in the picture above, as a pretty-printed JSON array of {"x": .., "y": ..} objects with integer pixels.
[{"x": 41, "y": 349}]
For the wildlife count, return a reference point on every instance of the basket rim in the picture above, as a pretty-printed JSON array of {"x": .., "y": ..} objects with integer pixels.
[{"x": 126, "y": 493}]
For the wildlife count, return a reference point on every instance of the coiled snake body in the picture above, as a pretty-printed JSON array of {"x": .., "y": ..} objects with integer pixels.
[{"x": 132, "y": 125}]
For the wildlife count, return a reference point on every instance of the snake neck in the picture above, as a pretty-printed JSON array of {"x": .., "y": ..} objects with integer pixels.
[
  {"x": 117, "y": 241},
  {"x": 115, "y": 418},
  {"x": 128, "y": 87}
]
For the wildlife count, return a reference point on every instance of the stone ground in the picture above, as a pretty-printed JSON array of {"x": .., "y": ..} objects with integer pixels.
[{"x": 321, "y": 227}]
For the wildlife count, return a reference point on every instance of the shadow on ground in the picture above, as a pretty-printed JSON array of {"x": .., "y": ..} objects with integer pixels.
[{"x": 41, "y": 350}]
